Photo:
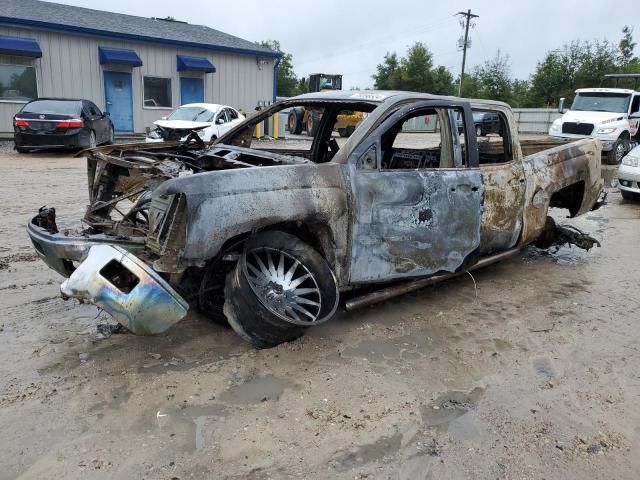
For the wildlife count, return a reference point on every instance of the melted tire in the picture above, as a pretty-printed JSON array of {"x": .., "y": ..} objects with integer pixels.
[
  {"x": 249, "y": 316},
  {"x": 211, "y": 292}
]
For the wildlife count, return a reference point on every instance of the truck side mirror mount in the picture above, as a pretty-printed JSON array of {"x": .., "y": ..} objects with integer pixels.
[{"x": 561, "y": 106}]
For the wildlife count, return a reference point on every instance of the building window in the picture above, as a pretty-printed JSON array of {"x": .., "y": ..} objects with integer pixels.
[
  {"x": 157, "y": 92},
  {"x": 18, "y": 83}
]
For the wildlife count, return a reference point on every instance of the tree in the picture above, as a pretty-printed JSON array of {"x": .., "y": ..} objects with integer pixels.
[
  {"x": 442, "y": 81},
  {"x": 494, "y": 78},
  {"x": 303, "y": 86},
  {"x": 288, "y": 83},
  {"x": 626, "y": 47},
  {"x": 520, "y": 96},
  {"x": 598, "y": 58},
  {"x": 388, "y": 76},
  {"x": 575, "y": 65},
  {"x": 470, "y": 86},
  {"x": 580, "y": 64},
  {"x": 415, "y": 72},
  {"x": 416, "y": 69},
  {"x": 628, "y": 62}
]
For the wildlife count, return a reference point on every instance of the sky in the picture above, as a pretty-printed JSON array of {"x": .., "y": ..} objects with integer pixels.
[{"x": 351, "y": 37}]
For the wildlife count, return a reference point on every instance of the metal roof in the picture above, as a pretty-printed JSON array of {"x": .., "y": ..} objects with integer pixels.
[{"x": 36, "y": 14}]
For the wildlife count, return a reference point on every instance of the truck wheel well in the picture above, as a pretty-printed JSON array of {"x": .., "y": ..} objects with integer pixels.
[
  {"x": 316, "y": 235},
  {"x": 569, "y": 197}
]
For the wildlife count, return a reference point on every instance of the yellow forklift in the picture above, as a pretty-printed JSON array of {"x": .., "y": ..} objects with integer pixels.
[{"x": 306, "y": 118}]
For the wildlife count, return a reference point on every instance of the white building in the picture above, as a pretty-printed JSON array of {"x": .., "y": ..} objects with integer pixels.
[{"x": 138, "y": 69}]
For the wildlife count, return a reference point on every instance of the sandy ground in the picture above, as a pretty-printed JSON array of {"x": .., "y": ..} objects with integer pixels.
[{"x": 531, "y": 375}]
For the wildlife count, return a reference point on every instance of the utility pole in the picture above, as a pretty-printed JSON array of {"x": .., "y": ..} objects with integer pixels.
[{"x": 464, "y": 44}]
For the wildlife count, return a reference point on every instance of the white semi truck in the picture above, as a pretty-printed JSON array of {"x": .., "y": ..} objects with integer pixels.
[{"x": 612, "y": 115}]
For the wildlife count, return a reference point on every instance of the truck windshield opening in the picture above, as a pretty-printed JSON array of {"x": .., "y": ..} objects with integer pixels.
[{"x": 601, "y": 102}]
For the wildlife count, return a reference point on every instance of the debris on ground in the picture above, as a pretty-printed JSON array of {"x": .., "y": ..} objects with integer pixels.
[
  {"x": 108, "y": 329},
  {"x": 555, "y": 235}
]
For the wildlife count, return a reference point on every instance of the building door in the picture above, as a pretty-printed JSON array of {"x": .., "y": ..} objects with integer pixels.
[
  {"x": 191, "y": 90},
  {"x": 118, "y": 100}
]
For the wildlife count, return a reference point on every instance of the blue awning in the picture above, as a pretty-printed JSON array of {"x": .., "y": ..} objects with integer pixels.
[
  {"x": 18, "y": 46},
  {"x": 198, "y": 64},
  {"x": 122, "y": 56}
]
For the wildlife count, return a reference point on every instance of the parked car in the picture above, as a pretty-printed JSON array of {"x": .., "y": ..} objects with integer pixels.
[
  {"x": 629, "y": 175},
  {"x": 484, "y": 123},
  {"x": 64, "y": 123},
  {"x": 268, "y": 238},
  {"x": 210, "y": 120}
]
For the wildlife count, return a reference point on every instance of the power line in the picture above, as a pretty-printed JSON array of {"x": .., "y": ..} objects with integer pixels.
[{"x": 465, "y": 43}]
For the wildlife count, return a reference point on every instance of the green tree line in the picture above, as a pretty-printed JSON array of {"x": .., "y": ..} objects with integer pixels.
[{"x": 575, "y": 65}]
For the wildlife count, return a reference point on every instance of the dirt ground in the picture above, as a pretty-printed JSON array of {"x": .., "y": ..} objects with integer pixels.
[{"x": 526, "y": 370}]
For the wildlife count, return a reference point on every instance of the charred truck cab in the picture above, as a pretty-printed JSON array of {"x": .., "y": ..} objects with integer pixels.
[{"x": 266, "y": 235}]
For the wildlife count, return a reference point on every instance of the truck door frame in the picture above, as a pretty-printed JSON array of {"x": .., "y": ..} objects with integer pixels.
[{"x": 414, "y": 222}]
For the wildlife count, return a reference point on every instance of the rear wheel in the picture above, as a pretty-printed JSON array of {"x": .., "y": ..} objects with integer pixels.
[
  {"x": 342, "y": 132},
  {"x": 279, "y": 288},
  {"x": 618, "y": 151}
]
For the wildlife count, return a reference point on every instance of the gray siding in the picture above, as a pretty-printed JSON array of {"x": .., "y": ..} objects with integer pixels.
[{"x": 70, "y": 67}]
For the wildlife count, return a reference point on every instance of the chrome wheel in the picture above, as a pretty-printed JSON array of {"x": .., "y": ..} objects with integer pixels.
[{"x": 286, "y": 287}]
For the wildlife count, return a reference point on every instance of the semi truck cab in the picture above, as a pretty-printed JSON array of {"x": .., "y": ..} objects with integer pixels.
[{"x": 612, "y": 115}]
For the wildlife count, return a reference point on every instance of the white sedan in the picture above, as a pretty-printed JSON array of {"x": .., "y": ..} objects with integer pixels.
[
  {"x": 629, "y": 175},
  {"x": 209, "y": 119}
]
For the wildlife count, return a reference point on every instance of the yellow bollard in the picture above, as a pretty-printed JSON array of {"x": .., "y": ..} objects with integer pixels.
[
  {"x": 259, "y": 130},
  {"x": 274, "y": 134}
]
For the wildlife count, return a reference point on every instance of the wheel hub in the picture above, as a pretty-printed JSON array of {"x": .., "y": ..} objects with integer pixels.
[{"x": 284, "y": 285}]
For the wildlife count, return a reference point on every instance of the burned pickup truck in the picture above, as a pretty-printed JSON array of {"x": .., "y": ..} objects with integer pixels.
[{"x": 268, "y": 234}]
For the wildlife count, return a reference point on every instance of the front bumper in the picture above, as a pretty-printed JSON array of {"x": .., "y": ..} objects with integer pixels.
[
  {"x": 128, "y": 289},
  {"x": 60, "y": 250},
  {"x": 103, "y": 270},
  {"x": 629, "y": 178}
]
